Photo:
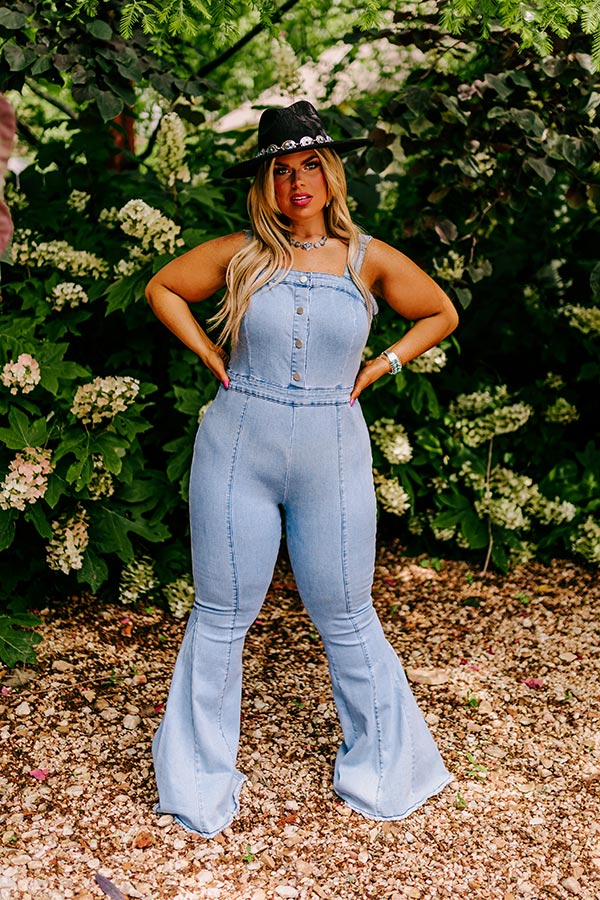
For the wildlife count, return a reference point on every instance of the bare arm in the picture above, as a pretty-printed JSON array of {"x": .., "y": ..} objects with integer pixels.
[
  {"x": 413, "y": 295},
  {"x": 188, "y": 279}
]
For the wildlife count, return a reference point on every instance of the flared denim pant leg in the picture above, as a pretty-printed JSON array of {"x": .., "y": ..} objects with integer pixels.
[
  {"x": 388, "y": 763},
  {"x": 236, "y": 532}
]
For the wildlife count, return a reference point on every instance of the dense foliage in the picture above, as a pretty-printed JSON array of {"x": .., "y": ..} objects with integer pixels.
[{"x": 484, "y": 169}]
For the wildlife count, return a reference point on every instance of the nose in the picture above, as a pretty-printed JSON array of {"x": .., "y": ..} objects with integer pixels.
[{"x": 296, "y": 177}]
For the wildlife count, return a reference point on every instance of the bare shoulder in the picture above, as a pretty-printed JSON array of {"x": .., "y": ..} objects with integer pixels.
[
  {"x": 201, "y": 271},
  {"x": 385, "y": 268},
  {"x": 382, "y": 259}
]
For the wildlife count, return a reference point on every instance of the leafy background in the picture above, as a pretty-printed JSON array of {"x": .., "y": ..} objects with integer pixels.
[{"x": 484, "y": 169}]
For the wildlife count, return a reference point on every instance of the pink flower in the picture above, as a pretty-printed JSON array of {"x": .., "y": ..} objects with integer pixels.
[{"x": 40, "y": 774}]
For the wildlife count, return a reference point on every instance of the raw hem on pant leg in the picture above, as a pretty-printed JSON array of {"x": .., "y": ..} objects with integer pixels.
[
  {"x": 407, "y": 812},
  {"x": 207, "y": 834}
]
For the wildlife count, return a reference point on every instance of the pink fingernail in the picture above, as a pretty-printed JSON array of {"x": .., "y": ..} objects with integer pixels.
[
  {"x": 352, "y": 401},
  {"x": 226, "y": 383}
]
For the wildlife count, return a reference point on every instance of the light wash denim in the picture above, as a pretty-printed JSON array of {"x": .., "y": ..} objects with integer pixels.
[{"x": 285, "y": 436}]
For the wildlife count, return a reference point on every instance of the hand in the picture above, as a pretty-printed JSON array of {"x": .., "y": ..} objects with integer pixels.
[
  {"x": 215, "y": 358},
  {"x": 370, "y": 372}
]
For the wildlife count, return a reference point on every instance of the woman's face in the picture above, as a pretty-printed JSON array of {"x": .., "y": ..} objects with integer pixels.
[{"x": 300, "y": 185}]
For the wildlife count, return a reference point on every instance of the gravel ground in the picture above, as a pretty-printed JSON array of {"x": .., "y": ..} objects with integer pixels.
[{"x": 505, "y": 671}]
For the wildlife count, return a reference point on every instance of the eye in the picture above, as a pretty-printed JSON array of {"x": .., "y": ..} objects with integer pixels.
[
  {"x": 281, "y": 170},
  {"x": 313, "y": 164}
]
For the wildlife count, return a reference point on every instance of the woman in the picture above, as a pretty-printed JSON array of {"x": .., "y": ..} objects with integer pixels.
[{"x": 284, "y": 438}]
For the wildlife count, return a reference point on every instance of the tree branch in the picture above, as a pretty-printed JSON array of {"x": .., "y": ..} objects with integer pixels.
[
  {"x": 213, "y": 64},
  {"x": 49, "y": 98}
]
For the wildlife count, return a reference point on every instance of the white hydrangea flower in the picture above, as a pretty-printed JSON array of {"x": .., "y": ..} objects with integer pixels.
[
  {"x": 561, "y": 412},
  {"x": 552, "y": 512},
  {"x": 22, "y": 375},
  {"x": 27, "y": 478},
  {"x": 103, "y": 398},
  {"x": 432, "y": 360},
  {"x": 554, "y": 382},
  {"x": 501, "y": 511},
  {"x": 26, "y": 251},
  {"x": 65, "y": 551},
  {"x": 479, "y": 401},
  {"x": 101, "y": 484},
  {"x": 584, "y": 318},
  {"x": 109, "y": 217},
  {"x": 132, "y": 263},
  {"x": 392, "y": 440},
  {"x": 451, "y": 267},
  {"x": 67, "y": 293},
  {"x": 522, "y": 554},
  {"x": 137, "y": 580},
  {"x": 78, "y": 200},
  {"x": 180, "y": 596},
  {"x": 391, "y": 494},
  {"x": 471, "y": 476},
  {"x": 586, "y": 540},
  {"x": 154, "y": 231},
  {"x": 169, "y": 152},
  {"x": 506, "y": 483},
  {"x": 503, "y": 420},
  {"x": 442, "y": 534}
]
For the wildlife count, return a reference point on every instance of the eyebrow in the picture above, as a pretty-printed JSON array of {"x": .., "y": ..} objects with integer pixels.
[{"x": 280, "y": 161}]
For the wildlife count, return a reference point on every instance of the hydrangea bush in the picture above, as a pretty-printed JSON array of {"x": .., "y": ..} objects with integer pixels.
[{"x": 100, "y": 404}]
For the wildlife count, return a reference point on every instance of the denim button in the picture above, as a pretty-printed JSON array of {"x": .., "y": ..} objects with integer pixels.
[
  {"x": 298, "y": 343},
  {"x": 303, "y": 279},
  {"x": 296, "y": 376},
  {"x": 300, "y": 310}
]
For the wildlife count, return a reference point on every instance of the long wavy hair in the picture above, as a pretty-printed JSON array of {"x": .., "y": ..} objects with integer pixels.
[{"x": 267, "y": 254}]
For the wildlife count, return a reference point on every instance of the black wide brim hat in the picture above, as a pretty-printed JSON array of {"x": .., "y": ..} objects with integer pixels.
[{"x": 290, "y": 130}]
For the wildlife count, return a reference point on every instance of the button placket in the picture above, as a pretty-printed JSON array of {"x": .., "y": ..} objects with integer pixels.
[{"x": 298, "y": 348}]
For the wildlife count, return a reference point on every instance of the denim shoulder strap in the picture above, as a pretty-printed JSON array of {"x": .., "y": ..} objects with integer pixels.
[{"x": 363, "y": 243}]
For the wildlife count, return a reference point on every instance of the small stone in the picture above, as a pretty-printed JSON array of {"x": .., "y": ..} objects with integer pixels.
[
  {"x": 259, "y": 894},
  {"x": 432, "y": 718},
  {"x": 286, "y": 890},
  {"x": 431, "y": 677},
  {"x": 23, "y": 709},
  {"x": 89, "y": 695},
  {"x": 411, "y": 892},
  {"x": 61, "y": 665},
  {"x": 303, "y": 868},
  {"x": 571, "y": 885},
  {"x": 130, "y": 722},
  {"x": 496, "y": 752},
  {"x": 567, "y": 657},
  {"x": 292, "y": 804},
  {"x": 204, "y": 876},
  {"x": 109, "y": 714},
  {"x": 178, "y": 844},
  {"x": 164, "y": 821},
  {"x": 143, "y": 839}
]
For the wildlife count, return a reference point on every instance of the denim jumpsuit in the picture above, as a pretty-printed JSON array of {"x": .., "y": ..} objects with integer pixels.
[{"x": 285, "y": 436}]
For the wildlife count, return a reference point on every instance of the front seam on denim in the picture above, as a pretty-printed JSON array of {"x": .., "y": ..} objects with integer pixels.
[
  {"x": 349, "y": 608},
  {"x": 196, "y": 748},
  {"x": 234, "y": 576}
]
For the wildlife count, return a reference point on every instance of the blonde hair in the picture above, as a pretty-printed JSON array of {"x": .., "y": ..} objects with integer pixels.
[{"x": 267, "y": 254}]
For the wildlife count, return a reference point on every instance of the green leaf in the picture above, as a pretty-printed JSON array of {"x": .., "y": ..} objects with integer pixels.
[
  {"x": 36, "y": 515},
  {"x": 12, "y": 20},
  {"x": 109, "y": 105},
  {"x": 540, "y": 167},
  {"x": 17, "y": 643},
  {"x": 100, "y": 30},
  {"x": 8, "y": 521},
  {"x": 17, "y": 58},
  {"x": 94, "y": 570},
  {"x": 21, "y": 433}
]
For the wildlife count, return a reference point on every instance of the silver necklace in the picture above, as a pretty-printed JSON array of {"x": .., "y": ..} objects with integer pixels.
[{"x": 308, "y": 245}]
